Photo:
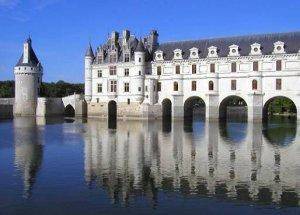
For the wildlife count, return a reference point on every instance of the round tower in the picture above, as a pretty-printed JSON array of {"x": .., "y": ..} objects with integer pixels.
[
  {"x": 88, "y": 60},
  {"x": 28, "y": 78},
  {"x": 140, "y": 68}
]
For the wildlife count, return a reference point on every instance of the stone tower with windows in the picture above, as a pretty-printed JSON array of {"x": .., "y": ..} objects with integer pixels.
[
  {"x": 88, "y": 61},
  {"x": 28, "y": 78}
]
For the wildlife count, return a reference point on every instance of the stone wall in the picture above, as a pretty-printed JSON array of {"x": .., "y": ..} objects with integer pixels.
[
  {"x": 6, "y": 107},
  {"x": 50, "y": 107}
]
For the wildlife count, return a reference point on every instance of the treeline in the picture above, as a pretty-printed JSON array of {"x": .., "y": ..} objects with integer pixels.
[{"x": 58, "y": 89}]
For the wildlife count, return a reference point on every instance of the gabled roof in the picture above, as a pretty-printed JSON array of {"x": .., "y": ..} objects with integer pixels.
[{"x": 291, "y": 41}]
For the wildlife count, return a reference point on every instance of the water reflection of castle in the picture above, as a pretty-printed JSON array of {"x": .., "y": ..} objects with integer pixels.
[{"x": 140, "y": 159}]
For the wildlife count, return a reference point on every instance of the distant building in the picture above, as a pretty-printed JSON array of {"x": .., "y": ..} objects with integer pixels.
[{"x": 142, "y": 78}]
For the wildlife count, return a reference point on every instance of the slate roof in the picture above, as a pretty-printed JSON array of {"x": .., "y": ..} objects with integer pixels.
[
  {"x": 291, "y": 41},
  {"x": 140, "y": 47},
  {"x": 33, "y": 60},
  {"x": 89, "y": 52}
]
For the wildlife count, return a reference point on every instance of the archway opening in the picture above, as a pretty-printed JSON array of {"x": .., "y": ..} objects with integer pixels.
[
  {"x": 112, "y": 115},
  {"x": 233, "y": 108},
  {"x": 194, "y": 111},
  {"x": 69, "y": 111},
  {"x": 167, "y": 115},
  {"x": 279, "y": 107}
]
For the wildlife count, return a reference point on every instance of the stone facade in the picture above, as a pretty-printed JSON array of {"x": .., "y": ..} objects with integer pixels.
[{"x": 255, "y": 69}]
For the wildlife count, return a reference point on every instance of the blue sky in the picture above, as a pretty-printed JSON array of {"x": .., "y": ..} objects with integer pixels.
[{"x": 61, "y": 29}]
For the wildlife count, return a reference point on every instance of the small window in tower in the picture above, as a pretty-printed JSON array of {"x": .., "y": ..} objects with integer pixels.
[
  {"x": 255, "y": 66},
  {"x": 212, "y": 68},
  {"x": 97, "y": 100},
  {"x": 126, "y": 72},
  {"x": 175, "y": 86},
  {"x": 139, "y": 89},
  {"x": 177, "y": 68},
  {"x": 99, "y": 73},
  {"x": 194, "y": 69},
  {"x": 140, "y": 73},
  {"x": 194, "y": 85},
  {"x": 278, "y": 84},
  {"x": 128, "y": 101},
  {"x": 210, "y": 85},
  {"x": 233, "y": 67},
  {"x": 126, "y": 58},
  {"x": 158, "y": 70},
  {"x": 140, "y": 59},
  {"x": 233, "y": 84},
  {"x": 254, "y": 84},
  {"x": 158, "y": 86},
  {"x": 126, "y": 87},
  {"x": 31, "y": 68},
  {"x": 278, "y": 65},
  {"x": 146, "y": 88}
]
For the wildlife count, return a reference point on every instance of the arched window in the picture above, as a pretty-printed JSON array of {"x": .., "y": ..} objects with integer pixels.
[
  {"x": 254, "y": 84},
  {"x": 175, "y": 86},
  {"x": 210, "y": 85}
]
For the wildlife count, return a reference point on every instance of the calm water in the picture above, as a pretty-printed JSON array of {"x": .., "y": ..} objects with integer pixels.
[{"x": 59, "y": 166}]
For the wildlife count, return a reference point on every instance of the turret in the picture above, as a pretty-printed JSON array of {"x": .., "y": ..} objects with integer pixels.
[
  {"x": 88, "y": 61},
  {"x": 140, "y": 67},
  {"x": 153, "y": 40},
  {"x": 28, "y": 78}
]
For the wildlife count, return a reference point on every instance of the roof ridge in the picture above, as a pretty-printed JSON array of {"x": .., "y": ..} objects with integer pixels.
[{"x": 233, "y": 37}]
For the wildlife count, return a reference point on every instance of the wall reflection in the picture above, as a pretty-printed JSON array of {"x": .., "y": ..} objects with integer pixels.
[
  {"x": 234, "y": 161},
  {"x": 28, "y": 151}
]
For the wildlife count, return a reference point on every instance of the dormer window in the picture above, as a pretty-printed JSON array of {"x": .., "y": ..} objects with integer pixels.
[
  {"x": 278, "y": 48},
  {"x": 113, "y": 58},
  {"x": 126, "y": 57},
  {"x": 255, "y": 49},
  {"x": 159, "y": 55},
  {"x": 177, "y": 54},
  {"x": 212, "y": 51},
  {"x": 194, "y": 53},
  {"x": 234, "y": 50},
  {"x": 99, "y": 59}
]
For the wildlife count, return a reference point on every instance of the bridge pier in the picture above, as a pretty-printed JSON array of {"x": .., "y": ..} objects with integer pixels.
[
  {"x": 212, "y": 107},
  {"x": 255, "y": 107},
  {"x": 178, "y": 109}
]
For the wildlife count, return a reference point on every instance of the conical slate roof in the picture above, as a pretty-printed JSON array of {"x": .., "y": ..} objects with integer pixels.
[
  {"x": 89, "y": 52},
  {"x": 140, "y": 47},
  {"x": 32, "y": 61}
]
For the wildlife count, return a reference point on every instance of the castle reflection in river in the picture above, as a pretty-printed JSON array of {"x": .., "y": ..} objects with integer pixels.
[
  {"x": 210, "y": 159},
  {"x": 234, "y": 160}
]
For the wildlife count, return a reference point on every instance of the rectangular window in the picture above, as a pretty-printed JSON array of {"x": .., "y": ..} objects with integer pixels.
[
  {"x": 100, "y": 59},
  {"x": 233, "y": 67},
  {"x": 177, "y": 68},
  {"x": 139, "y": 89},
  {"x": 278, "y": 65},
  {"x": 158, "y": 70},
  {"x": 113, "y": 58},
  {"x": 255, "y": 66},
  {"x": 113, "y": 86},
  {"x": 233, "y": 84},
  {"x": 126, "y": 87},
  {"x": 128, "y": 101},
  {"x": 278, "y": 84},
  {"x": 194, "y": 69},
  {"x": 212, "y": 68},
  {"x": 99, "y": 73},
  {"x": 146, "y": 88},
  {"x": 97, "y": 100},
  {"x": 158, "y": 86},
  {"x": 194, "y": 85},
  {"x": 126, "y": 72},
  {"x": 112, "y": 70},
  {"x": 126, "y": 58},
  {"x": 99, "y": 88}
]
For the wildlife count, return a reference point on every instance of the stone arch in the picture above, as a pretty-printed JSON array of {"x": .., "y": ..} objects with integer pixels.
[
  {"x": 193, "y": 106},
  {"x": 233, "y": 107},
  {"x": 285, "y": 105},
  {"x": 69, "y": 111},
  {"x": 112, "y": 114}
]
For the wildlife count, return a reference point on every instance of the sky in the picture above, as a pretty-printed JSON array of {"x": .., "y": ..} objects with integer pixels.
[{"x": 61, "y": 29}]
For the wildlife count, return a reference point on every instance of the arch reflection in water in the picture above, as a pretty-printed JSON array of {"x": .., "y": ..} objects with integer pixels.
[
  {"x": 28, "y": 150},
  {"x": 140, "y": 159}
]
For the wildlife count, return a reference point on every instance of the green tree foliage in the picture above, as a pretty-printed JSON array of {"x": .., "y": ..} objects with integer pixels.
[
  {"x": 7, "y": 89},
  {"x": 58, "y": 89},
  {"x": 281, "y": 105}
]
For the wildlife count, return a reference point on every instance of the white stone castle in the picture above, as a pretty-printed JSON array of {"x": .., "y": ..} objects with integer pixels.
[{"x": 131, "y": 77}]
